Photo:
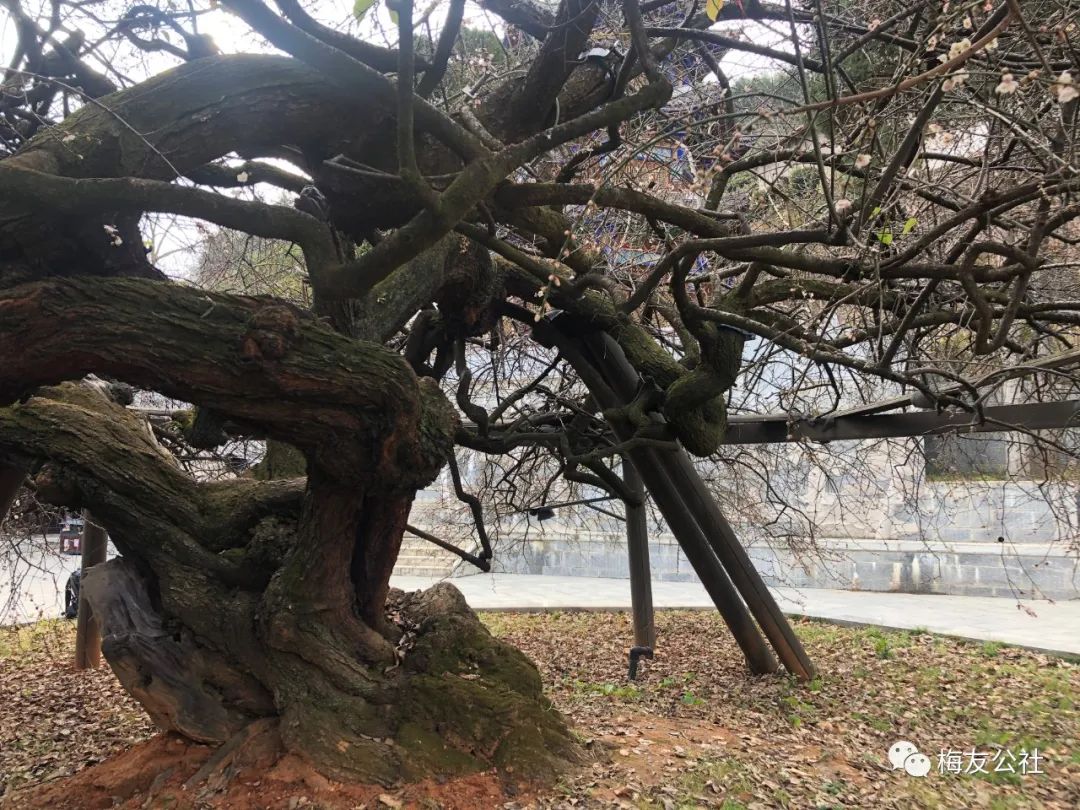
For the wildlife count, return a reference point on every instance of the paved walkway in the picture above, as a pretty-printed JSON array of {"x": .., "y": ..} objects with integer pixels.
[
  {"x": 39, "y": 584},
  {"x": 32, "y": 581},
  {"x": 1053, "y": 627}
]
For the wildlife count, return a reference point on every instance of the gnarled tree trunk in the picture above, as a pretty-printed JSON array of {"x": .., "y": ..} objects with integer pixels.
[
  {"x": 239, "y": 601},
  {"x": 242, "y": 600}
]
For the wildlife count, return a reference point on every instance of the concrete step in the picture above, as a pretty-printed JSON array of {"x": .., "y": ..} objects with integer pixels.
[
  {"x": 441, "y": 556},
  {"x": 421, "y": 558},
  {"x": 434, "y": 571},
  {"x": 423, "y": 548},
  {"x": 412, "y": 565},
  {"x": 426, "y": 551}
]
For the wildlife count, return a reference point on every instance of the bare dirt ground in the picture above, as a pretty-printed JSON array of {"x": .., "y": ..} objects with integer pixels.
[{"x": 694, "y": 731}]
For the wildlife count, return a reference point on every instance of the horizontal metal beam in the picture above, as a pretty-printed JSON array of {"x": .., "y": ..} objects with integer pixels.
[
  {"x": 996, "y": 419},
  {"x": 1053, "y": 361}
]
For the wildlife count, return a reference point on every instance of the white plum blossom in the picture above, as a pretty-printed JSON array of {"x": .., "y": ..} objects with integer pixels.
[
  {"x": 242, "y": 177},
  {"x": 958, "y": 48},
  {"x": 955, "y": 81},
  {"x": 842, "y": 205},
  {"x": 1007, "y": 86},
  {"x": 114, "y": 235},
  {"x": 862, "y": 161},
  {"x": 1065, "y": 88}
]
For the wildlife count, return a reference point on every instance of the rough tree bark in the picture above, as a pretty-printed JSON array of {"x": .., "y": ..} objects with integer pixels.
[
  {"x": 252, "y": 599},
  {"x": 243, "y": 600}
]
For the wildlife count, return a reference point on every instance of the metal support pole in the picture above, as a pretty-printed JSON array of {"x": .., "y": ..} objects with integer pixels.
[
  {"x": 777, "y": 428},
  {"x": 691, "y": 539},
  {"x": 744, "y": 575},
  {"x": 698, "y": 504},
  {"x": 87, "y": 633},
  {"x": 704, "y": 562},
  {"x": 637, "y": 546}
]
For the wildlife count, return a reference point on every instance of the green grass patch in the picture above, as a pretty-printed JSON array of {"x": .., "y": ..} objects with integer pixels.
[
  {"x": 990, "y": 649},
  {"x": 623, "y": 691},
  {"x": 47, "y": 635}
]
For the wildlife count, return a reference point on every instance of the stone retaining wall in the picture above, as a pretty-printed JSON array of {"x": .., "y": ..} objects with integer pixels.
[{"x": 976, "y": 539}]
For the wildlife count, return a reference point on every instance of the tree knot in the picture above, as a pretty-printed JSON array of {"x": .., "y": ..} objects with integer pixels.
[{"x": 272, "y": 332}]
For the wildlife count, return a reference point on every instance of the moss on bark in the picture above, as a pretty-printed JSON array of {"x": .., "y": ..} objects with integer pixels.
[
  {"x": 281, "y": 461},
  {"x": 472, "y": 700},
  {"x": 247, "y": 607}
]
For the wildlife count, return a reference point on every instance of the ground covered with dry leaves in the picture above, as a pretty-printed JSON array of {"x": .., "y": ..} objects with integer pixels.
[
  {"x": 694, "y": 731},
  {"x": 55, "y": 721}
]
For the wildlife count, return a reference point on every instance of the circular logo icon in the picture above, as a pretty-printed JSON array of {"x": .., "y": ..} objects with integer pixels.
[
  {"x": 917, "y": 764},
  {"x": 900, "y": 751}
]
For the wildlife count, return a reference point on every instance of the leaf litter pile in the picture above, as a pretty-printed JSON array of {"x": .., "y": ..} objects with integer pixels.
[
  {"x": 695, "y": 730},
  {"x": 53, "y": 720}
]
